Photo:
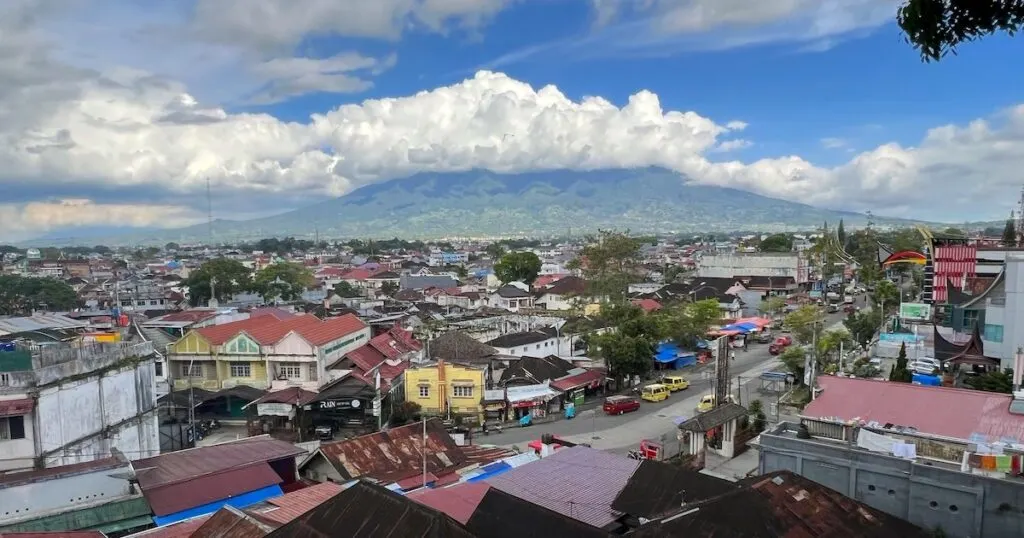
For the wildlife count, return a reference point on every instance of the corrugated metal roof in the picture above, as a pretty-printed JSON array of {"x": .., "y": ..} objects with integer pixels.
[
  {"x": 230, "y": 522},
  {"x": 272, "y": 333},
  {"x": 578, "y": 482},
  {"x": 332, "y": 329},
  {"x": 181, "y": 529},
  {"x": 458, "y": 501},
  {"x": 55, "y": 534},
  {"x": 38, "y": 322},
  {"x": 368, "y": 511},
  {"x": 185, "y": 465},
  {"x": 502, "y": 515},
  {"x": 964, "y": 412},
  {"x": 396, "y": 454},
  {"x": 292, "y": 505},
  {"x": 113, "y": 462},
  {"x": 13, "y": 408},
  {"x": 173, "y": 498},
  {"x": 219, "y": 334}
]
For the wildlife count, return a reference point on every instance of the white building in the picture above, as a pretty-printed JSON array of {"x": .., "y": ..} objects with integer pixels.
[
  {"x": 61, "y": 404},
  {"x": 764, "y": 264}
]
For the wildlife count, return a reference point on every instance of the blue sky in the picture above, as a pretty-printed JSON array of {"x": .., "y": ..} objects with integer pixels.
[{"x": 136, "y": 104}]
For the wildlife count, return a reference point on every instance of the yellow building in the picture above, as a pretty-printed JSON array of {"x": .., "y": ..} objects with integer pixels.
[{"x": 444, "y": 388}]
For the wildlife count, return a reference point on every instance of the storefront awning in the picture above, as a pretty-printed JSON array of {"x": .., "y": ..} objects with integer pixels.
[{"x": 529, "y": 393}]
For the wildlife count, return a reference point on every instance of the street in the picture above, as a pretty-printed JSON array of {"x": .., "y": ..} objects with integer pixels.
[{"x": 621, "y": 432}]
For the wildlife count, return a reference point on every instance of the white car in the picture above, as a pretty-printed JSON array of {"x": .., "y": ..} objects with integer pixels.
[{"x": 925, "y": 367}]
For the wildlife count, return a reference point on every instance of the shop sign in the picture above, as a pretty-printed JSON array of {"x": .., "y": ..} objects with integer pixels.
[
  {"x": 274, "y": 410},
  {"x": 340, "y": 404}
]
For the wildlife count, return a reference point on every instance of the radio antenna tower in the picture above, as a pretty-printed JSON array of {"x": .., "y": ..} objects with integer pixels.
[
  {"x": 209, "y": 213},
  {"x": 1020, "y": 216}
]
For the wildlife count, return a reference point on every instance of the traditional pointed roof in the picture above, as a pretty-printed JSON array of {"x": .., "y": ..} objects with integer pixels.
[
  {"x": 944, "y": 349},
  {"x": 954, "y": 295},
  {"x": 974, "y": 351}
]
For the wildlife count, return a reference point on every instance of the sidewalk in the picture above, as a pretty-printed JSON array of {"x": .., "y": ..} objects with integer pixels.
[{"x": 653, "y": 426}]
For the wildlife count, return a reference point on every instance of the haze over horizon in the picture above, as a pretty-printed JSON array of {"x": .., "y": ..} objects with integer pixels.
[{"x": 115, "y": 113}]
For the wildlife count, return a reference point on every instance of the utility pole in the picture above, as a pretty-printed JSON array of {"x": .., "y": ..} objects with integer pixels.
[
  {"x": 423, "y": 449},
  {"x": 209, "y": 213}
]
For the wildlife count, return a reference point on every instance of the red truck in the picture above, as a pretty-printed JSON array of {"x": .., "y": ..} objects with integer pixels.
[{"x": 780, "y": 344}]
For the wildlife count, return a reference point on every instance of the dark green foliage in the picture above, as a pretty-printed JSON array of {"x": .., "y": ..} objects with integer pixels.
[
  {"x": 231, "y": 277},
  {"x": 992, "y": 381},
  {"x": 900, "y": 373},
  {"x": 19, "y": 296},
  {"x": 937, "y": 27},
  {"x": 518, "y": 267}
]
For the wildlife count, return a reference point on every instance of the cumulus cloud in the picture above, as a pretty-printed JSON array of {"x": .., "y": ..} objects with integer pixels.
[{"x": 81, "y": 128}]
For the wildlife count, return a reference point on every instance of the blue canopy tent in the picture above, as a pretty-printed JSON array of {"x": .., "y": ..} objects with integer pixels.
[
  {"x": 669, "y": 355},
  {"x": 744, "y": 327}
]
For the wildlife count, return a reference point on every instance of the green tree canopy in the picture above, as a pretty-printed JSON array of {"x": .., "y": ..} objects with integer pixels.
[
  {"x": 610, "y": 262},
  {"x": 344, "y": 289},
  {"x": 793, "y": 358},
  {"x": 937, "y": 27},
  {"x": 495, "y": 251},
  {"x": 992, "y": 381},
  {"x": 687, "y": 323},
  {"x": 772, "y": 305},
  {"x": 230, "y": 277},
  {"x": 841, "y": 234},
  {"x": 804, "y": 322},
  {"x": 863, "y": 325},
  {"x": 285, "y": 281},
  {"x": 518, "y": 267},
  {"x": 777, "y": 243},
  {"x": 886, "y": 292},
  {"x": 900, "y": 373},
  {"x": 19, "y": 296},
  {"x": 1010, "y": 233}
]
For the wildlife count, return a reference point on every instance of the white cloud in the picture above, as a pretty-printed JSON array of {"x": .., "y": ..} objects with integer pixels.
[
  {"x": 834, "y": 143},
  {"x": 71, "y": 129},
  {"x": 23, "y": 221}
]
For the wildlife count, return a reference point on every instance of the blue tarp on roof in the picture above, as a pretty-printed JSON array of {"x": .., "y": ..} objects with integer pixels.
[
  {"x": 930, "y": 380},
  {"x": 488, "y": 471},
  {"x": 745, "y": 327},
  {"x": 669, "y": 353}
]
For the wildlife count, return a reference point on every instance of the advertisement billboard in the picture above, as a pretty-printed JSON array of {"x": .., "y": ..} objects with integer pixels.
[{"x": 915, "y": 311}]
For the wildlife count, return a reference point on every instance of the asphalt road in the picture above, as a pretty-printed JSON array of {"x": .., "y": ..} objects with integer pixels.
[{"x": 617, "y": 431}]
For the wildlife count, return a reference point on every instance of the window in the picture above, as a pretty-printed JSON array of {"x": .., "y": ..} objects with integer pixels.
[
  {"x": 289, "y": 371},
  {"x": 241, "y": 369},
  {"x": 196, "y": 370},
  {"x": 5, "y": 379},
  {"x": 312, "y": 372},
  {"x": 242, "y": 345},
  {"x": 424, "y": 391},
  {"x": 158, "y": 368},
  {"x": 12, "y": 428},
  {"x": 462, "y": 392},
  {"x": 538, "y": 346},
  {"x": 970, "y": 320},
  {"x": 993, "y": 333}
]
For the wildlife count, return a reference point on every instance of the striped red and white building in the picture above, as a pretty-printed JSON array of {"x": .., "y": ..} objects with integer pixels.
[{"x": 951, "y": 263}]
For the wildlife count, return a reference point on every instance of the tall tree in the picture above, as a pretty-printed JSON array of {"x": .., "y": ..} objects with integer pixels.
[
  {"x": 518, "y": 267},
  {"x": 609, "y": 263},
  {"x": 937, "y": 27},
  {"x": 841, "y": 234},
  {"x": 886, "y": 293},
  {"x": 687, "y": 323},
  {"x": 900, "y": 373},
  {"x": 1010, "y": 233},
  {"x": 805, "y": 323},
  {"x": 285, "y": 281},
  {"x": 628, "y": 349},
  {"x": 777, "y": 243},
  {"x": 229, "y": 276}
]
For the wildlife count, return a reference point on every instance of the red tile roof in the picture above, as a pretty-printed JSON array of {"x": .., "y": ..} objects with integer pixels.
[
  {"x": 13, "y": 408},
  {"x": 459, "y": 501},
  {"x": 357, "y": 274},
  {"x": 331, "y": 329},
  {"x": 648, "y": 305},
  {"x": 365, "y": 357},
  {"x": 204, "y": 489},
  {"x": 296, "y": 503},
  {"x": 964, "y": 412},
  {"x": 396, "y": 454},
  {"x": 268, "y": 335},
  {"x": 219, "y": 334}
]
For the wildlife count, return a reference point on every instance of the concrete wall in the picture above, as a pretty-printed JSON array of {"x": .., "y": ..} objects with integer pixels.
[
  {"x": 962, "y": 504},
  {"x": 773, "y": 265},
  {"x": 82, "y": 419}
]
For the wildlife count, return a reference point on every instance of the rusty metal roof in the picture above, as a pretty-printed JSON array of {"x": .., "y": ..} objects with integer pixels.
[
  {"x": 173, "y": 498},
  {"x": 369, "y": 511},
  {"x": 181, "y": 529},
  {"x": 186, "y": 465},
  {"x": 55, "y": 534},
  {"x": 292, "y": 505},
  {"x": 230, "y": 522},
  {"x": 396, "y": 454},
  {"x": 781, "y": 504}
]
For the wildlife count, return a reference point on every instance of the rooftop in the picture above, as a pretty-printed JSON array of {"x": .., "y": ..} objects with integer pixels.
[{"x": 966, "y": 414}]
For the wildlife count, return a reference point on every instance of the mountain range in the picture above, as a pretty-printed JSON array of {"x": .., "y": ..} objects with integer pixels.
[{"x": 487, "y": 204}]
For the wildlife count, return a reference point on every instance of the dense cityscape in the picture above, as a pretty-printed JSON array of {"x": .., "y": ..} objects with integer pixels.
[{"x": 417, "y": 268}]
